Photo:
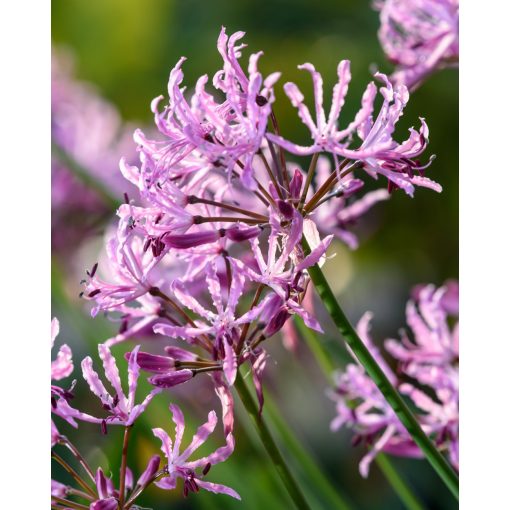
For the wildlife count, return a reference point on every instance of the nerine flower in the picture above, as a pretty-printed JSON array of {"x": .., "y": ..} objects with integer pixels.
[
  {"x": 419, "y": 36},
  {"x": 216, "y": 180},
  {"x": 214, "y": 134},
  {"x": 430, "y": 364},
  {"x": 121, "y": 408},
  {"x": 224, "y": 215},
  {"x": 361, "y": 406},
  {"x": 379, "y": 152},
  {"x": 223, "y": 325},
  {"x": 179, "y": 465},
  {"x": 61, "y": 367}
]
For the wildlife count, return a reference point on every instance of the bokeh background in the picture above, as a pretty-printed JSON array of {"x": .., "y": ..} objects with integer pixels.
[{"x": 126, "y": 50}]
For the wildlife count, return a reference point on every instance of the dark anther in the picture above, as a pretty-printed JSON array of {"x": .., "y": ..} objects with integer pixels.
[
  {"x": 217, "y": 163},
  {"x": 261, "y": 100},
  {"x": 104, "y": 430},
  {"x": 154, "y": 291},
  {"x": 147, "y": 244},
  {"x": 93, "y": 270},
  {"x": 126, "y": 198},
  {"x": 123, "y": 327},
  {"x": 95, "y": 292},
  {"x": 206, "y": 469},
  {"x": 106, "y": 407},
  {"x": 208, "y": 138},
  {"x": 115, "y": 401},
  {"x": 222, "y": 232},
  {"x": 53, "y": 402},
  {"x": 158, "y": 218},
  {"x": 81, "y": 294},
  {"x": 68, "y": 395}
]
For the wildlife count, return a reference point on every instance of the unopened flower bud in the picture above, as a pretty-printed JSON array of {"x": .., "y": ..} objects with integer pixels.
[
  {"x": 277, "y": 322},
  {"x": 150, "y": 470},
  {"x": 180, "y": 354},
  {"x": 239, "y": 234},
  {"x": 153, "y": 362},
  {"x": 296, "y": 184},
  {"x": 185, "y": 241},
  {"x": 171, "y": 379}
]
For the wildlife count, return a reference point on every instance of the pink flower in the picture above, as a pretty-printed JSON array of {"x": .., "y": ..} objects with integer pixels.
[
  {"x": 419, "y": 36},
  {"x": 379, "y": 152},
  {"x": 223, "y": 324},
  {"x": 178, "y": 464},
  {"x": 121, "y": 408},
  {"x": 202, "y": 133},
  {"x": 431, "y": 366},
  {"x": 63, "y": 364},
  {"x": 362, "y": 407},
  {"x": 61, "y": 367}
]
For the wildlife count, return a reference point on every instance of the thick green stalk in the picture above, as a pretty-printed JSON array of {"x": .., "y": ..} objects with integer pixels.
[
  {"x": 394, "y": 399},
  {"x": 325, "y": 361},
  {"x": 269, "y": 444},
  {"x": 399, "y": 486},
  {"x": 313, "y": 472}
]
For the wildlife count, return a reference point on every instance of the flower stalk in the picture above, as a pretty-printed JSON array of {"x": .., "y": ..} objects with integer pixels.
[
  {"x": 74, "y": 474},
  {"x": 398, "y": 484},
  {"x": 306, "y": 461},
  {"x": 123, "y": 466},
  {"x": 405, "y": 415},
  {"x": 270, "y": 445}
]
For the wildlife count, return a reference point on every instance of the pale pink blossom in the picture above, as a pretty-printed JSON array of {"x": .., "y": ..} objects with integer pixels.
[
  {"x": 178, "y": 463},
  {"x": 419, "y": 36}
]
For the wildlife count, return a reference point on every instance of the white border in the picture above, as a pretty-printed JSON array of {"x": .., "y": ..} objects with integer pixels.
[
  {"x": 25, "y": 253},
  {"x": 484, "y": 255}
]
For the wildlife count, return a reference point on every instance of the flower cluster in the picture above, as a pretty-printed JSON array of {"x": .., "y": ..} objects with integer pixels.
[
  {"x": 427, "y": 372},
  {"x": 120, "y": 409},
  {"x": 419, "y": 36},
  {"x": 223, "y": 214}
]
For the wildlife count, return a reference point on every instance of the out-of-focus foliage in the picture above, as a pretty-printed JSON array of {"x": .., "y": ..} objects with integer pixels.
[{"x": 127, "y": 50}]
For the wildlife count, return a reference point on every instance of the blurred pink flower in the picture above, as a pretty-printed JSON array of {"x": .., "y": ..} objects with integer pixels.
[
  {"x": 431, "y": 361},
  {"x": 419, "y": 36}
]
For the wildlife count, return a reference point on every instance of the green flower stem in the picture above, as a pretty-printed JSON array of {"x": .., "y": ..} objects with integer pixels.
[
  {"x": 399, "y": 486},
  {"x": 308, "y": 464},
  {"x": 84, "y": 175},
  {"x": 407, "y": 418},
  {"x": 269, "y": 444},
  {"x": 324, "y": 359},
  {"x": 123, "y": 465}
]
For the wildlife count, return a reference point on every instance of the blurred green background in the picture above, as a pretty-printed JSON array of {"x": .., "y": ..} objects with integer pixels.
[{"x": 127, "y": 50}]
